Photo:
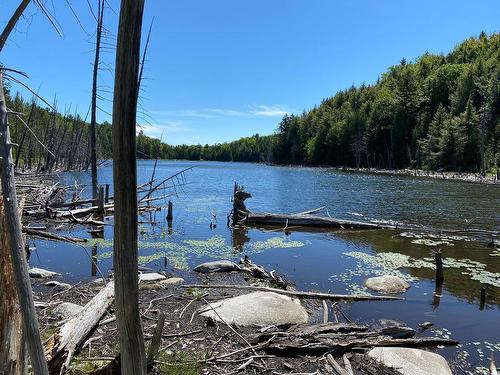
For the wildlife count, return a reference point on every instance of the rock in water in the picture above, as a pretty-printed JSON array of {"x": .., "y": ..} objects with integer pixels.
[
  {"x": 41, "y": 273},
  {"x": 217, "y": 266},
  {"x": 387, "y": 284},
  {"x": 67, "y": 310},
  {"x": 411, "y": 361},
  {"x": 257, "y": 309},
  {"x": 151, "y": 277}
]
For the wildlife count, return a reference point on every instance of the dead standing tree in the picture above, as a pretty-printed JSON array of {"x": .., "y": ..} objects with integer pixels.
[
  {"x": 12, "y": 349},
  {"x": 16, "y": 243},
  {"x": 132, "y": 353},
  {"x": 93, "y": 147}
]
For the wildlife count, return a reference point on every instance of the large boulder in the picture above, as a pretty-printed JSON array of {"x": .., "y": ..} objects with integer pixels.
[
  {"x": 67, "y": 310},
  {"x": 411, "y": 361},
  {"x": 387, "y": 284},
  {"x": 257, "y": 309},
  {"x": 217, "y": 266},
  {"x": 41, "y": 273}
]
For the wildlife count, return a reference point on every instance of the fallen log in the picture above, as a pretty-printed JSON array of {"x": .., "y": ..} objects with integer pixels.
[
  {"x": 328, "y": 337},
  {"x": 64, "y": 343},
  {"x": 305, "y": 220},
  {"x": 51, "y": 236},
  {"x": 311, "y": 295}
]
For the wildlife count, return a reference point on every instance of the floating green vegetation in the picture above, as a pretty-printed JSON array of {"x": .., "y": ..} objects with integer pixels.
[
  {"x": 433, "y": 239},
  {"x": 275, "y": 243},
  {"x": 214, "y": 247},
  {"x": 392, "y": 263}
]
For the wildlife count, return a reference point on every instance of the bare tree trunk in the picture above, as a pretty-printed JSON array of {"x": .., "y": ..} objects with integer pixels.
[
  {"x": 12, "y": 22},
  {"x": 12, "y": 349},
  {"x": 13, "y": 227},
  {"x": 93, "y": 149},
  {"x": 132, "y": 351}
]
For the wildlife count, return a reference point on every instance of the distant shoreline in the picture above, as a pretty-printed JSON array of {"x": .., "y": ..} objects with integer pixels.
[
  {"x": 450, "y": 176},
  {"x": 421, "y": 173}
]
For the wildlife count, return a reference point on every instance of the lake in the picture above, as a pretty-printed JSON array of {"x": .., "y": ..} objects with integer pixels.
[{"x": 337, "y": 261}]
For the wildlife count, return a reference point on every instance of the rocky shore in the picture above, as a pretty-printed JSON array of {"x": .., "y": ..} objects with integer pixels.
[{"x": 211, "y": 330}]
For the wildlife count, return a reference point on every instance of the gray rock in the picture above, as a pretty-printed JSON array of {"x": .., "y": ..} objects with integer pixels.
[
  {"x": 162, "y": 283},
  {"x": 67, "y": 310},
  {"x": 257, "y": 309},
  {"x": 151, "y": 277},
  {"x": 41, "y": 273},
  {"x": 411, "y": 361},
  {"x": 387, "y": 284},
  {"x": 172, "y": 281},
  {"x": 217, "y": 266},
  {"x": 57, "y": 285}
]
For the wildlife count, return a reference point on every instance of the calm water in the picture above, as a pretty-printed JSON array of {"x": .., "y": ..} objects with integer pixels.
[{"x": 336, "y": 261}]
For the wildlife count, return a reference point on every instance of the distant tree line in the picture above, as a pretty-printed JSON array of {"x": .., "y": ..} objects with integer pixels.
[{"x": 440, "y": 112}]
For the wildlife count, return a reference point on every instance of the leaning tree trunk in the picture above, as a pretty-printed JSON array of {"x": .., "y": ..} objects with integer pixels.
[
  {"x": 12, "y": 349},
  {"x": 132, "y": 351},
  {"x": 18, "y": 256}
]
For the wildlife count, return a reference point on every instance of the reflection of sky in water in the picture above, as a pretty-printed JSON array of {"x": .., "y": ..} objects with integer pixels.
[{"x": 338, "y": 262}]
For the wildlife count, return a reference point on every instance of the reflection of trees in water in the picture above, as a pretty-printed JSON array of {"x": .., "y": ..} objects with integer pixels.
[
  {"x": 455, "y": 282},
  {"x": 239, "y": 238}
]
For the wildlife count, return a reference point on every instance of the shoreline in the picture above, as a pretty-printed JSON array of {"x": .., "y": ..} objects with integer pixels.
[
  {"x": 473, "y": 177},
  {"x": 420, "y": 173}
]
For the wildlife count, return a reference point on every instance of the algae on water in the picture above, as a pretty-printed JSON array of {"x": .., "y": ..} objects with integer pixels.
[{"x": 214, "y": 247}]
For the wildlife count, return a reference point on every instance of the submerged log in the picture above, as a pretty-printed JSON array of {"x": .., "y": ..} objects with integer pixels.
[
  {"x": 311, "y": 295},
  {"x": 242, "y": 215},
  {"x": 63, "y": 344},
  {"x": 306, "y": 220}
]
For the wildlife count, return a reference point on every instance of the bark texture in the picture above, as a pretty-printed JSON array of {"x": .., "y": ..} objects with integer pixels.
[{"x": 132, "y": 353}]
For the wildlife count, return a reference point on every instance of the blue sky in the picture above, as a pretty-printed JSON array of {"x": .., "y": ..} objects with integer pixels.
[{"x": 218, "y": 70}]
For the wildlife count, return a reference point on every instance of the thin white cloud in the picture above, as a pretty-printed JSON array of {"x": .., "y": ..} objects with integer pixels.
[
  {"x": 269, "y": 111},
  {"x": 251, "y": 111},
  {"x": 162, "y": 129},
  {"x": 228, "y": 112}
]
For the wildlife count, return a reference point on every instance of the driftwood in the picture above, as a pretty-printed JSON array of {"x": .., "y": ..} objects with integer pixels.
[
  {"x": 328, "y": 337},
  {"x": 51, "y": 236},
  {"x": 305, "y": 220},
  {"x": 311, "y": 295},
  {"x": 242, "y": 215},
  {"x": 63, "y": 344},
  {"x": 259, "y": 272}
]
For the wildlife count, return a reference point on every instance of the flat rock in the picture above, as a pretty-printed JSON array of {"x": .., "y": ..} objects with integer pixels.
[
  {"x": 411, "y": 361},
  {"x": 151, "y": 277},
  {"x": 67, "y": 310},
  {"x": 162, "y": 283},
  {"x": 41, "y": 273},
  {"x": 217, "y": 266},
  {"x": 387, "y": 284},
  {"x": 172, "y": 281},
  {"x": 57, "y": 285},
  {"x": 257, "y": 309}
]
